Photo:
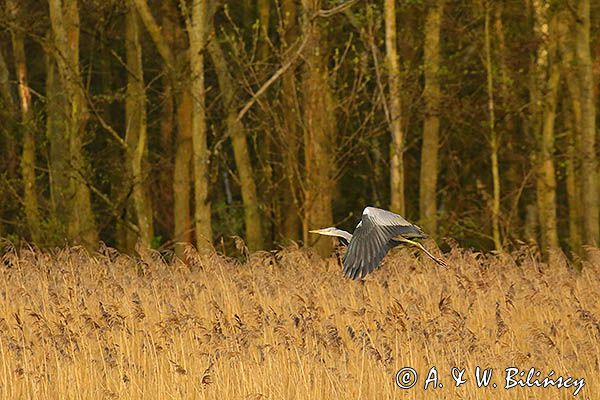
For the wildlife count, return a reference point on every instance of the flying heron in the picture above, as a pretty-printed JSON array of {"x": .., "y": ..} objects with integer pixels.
[{"x": 377, "y": 232}]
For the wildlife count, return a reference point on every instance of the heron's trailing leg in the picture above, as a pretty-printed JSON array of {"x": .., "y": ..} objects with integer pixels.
[{"x": 419, "y": 245}]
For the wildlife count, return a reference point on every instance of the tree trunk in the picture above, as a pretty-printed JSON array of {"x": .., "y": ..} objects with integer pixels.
[
  {"x": 531, "y": 223},
  {"x": 241, "y": 153},
  {"x": 136, "y": 128},
  {"x": 30, "y": 200},
  {"x": 494, "y": 142},
  {"x": 5, "y": 93},
  {"x": 572, "y": 121},
  {"x": 183, "y": 225},
  {"x": 163, "y": 192},
  {"x": 265, "y": 154},
  {"x": 64, "y": 18},
  {"x": 509, "y": 103},
  {"x": 181, "y": 173},
  {"x": 572, "y": 186},
  {"x": 547, "y": 75},
  {"x": 196, "y": 26},
  {"x": 589, "y": 173},
  {"x": 431, "y": 125},
  {"x": 264, "y": 11},
  {"x": 162, "y": 45},
  {"x": 252, "y": 220},
  {"x": 319, "y": 130},
  {"x": 290, "y": 136},
  {"x": 56, "y": 104},
  {"x": 176, "y": 61},
  {"x": 7, "y": 113},
  {"x": 548, "y": 195},
  {"x": 395, "y": 107}
]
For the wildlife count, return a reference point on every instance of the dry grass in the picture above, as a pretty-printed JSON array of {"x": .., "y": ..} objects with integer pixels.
[{"x": 288, "y": 326}]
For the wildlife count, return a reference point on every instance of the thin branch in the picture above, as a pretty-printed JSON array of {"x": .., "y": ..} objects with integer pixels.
[
  {"x": 336, "y": 10},
  {"x": 272, "y": 80},
  {"x": 285, "y": 66},
  {"x": 103, "y": 123},
  {"x": 114, "y": 208},
  {"x": 155, "y": 32}
]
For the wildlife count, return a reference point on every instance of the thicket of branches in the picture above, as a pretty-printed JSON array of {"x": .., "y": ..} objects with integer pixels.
[{"x": 199, "y": 120}]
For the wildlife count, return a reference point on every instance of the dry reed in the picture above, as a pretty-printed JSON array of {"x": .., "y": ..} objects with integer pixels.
[{"x": 287, "y": 325}]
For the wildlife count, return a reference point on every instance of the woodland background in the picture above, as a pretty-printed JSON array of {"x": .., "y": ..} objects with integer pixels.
[{"x": 165, "y": 122}]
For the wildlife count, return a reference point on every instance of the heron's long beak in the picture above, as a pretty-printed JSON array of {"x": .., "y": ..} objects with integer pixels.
[{"x": 323, "y": 231}]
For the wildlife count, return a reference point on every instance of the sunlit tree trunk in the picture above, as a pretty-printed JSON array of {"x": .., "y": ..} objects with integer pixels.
[
  {"x": 395, "y": 107},
  {"x": 241, "y": 153},
  {"x": 64, "y": 18},
  {"x": 431, "y": 126},
  {"x": 197, "y": 28},
  {"x": 547, "y": 74},
  {"x": 28, "y": 174},
  {"x": 290, "y": 136},
  {"x": 494, "y": 141},
  {"x": 177, "y": 61},
  {"x": 136, "y": 135},
  {"x": 572, "y": 184},
  {"x": 589, "y": 173},
  {"x": 319, "y": 129},
  {"x": 183, "y": 225},
  {"x": 533, "y": 129},
  {"x": 548, "y": 223},
  {"x": 162, "y": 45},
  {"x": 264, "y": 12}
]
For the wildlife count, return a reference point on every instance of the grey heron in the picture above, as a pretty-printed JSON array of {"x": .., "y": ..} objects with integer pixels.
[{"x": 377, "y": 232}]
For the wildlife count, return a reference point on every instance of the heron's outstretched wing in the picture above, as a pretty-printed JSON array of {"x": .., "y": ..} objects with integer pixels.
[{"x": 372, "y": 239}]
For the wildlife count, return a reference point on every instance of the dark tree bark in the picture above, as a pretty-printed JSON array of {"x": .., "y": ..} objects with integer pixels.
[
  {"x": 237, "y": 132},
  {"x": 431, "y": 125},
  {"x": 197, "y": 27},
  {"x": 395, "y": 106},
  {"x": 319, "y": 129},
  {"x": 289, "y": 137},
  {"x": 493, "y": 135},
  {"x": 136, "y": 135},
  {"x": 589, "y": 163},
  {"x": 81, "y": 228}
]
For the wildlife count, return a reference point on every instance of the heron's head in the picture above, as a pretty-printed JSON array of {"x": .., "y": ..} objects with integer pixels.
[{"x": 331, "y": 231}]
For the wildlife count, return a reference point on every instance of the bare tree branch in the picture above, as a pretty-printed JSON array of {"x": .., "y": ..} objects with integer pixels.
[{"x": 272, "y": 79}]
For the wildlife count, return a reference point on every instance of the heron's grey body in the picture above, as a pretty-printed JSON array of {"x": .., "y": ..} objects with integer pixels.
[{"x": 377, "y": 232}]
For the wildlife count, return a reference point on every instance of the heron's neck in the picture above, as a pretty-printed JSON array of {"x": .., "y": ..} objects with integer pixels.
[{"x": 345, "y": 235}]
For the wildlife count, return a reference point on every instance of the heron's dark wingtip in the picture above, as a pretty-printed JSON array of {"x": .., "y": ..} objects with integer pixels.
[
  {"x": 422, "y": 235},
  {"x": 413, "y": 232}
]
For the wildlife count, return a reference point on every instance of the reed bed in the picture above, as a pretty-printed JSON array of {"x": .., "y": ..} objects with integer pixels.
[{"x": 288, "y": 325}]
